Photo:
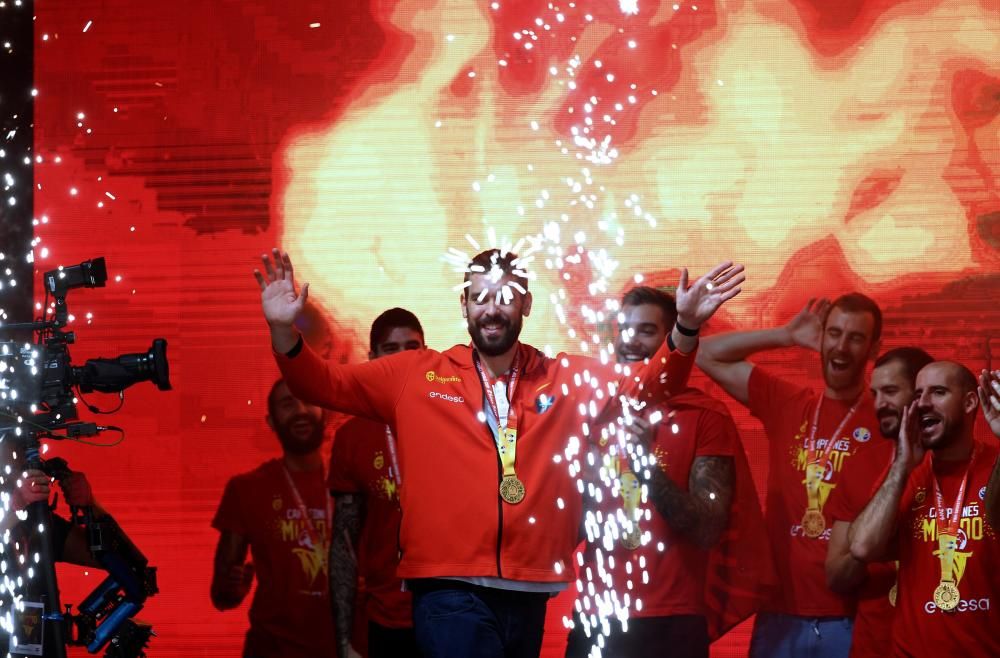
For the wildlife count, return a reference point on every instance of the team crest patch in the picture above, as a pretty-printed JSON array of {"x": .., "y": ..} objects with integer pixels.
[
  {"x": 982, "y": 493},
  {"x": 544, "y": 402},
  {"x": 862, "y": 434}
]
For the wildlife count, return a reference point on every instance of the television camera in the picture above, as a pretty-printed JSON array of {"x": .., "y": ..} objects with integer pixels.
[{"x": 39, "y": 391}]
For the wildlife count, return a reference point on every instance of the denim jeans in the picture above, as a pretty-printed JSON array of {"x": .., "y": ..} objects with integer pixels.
[
  {"x": 458, "y": 620},
  {"x": 788, "y": 636}
]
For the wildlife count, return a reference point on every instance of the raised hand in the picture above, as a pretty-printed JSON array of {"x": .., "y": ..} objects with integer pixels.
[
  {"x": 989, "y": 399},
  {"x": 699, "y": 301},
  {"x": 909, "y": 449},
  {"x": 279, "y": 299},
  {"x": 806, "y": 328}
]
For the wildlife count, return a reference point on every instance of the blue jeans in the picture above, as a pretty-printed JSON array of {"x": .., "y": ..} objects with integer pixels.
[
  {"x": 788, "y": 636},
  {"x": 458, "y": 620}
]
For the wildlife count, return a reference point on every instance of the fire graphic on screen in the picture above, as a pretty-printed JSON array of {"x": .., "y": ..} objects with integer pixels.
[{"x": 735, "y": 129}]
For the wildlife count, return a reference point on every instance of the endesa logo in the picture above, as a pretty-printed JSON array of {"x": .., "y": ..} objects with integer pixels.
[
  {"x": 964, "y": 605},
  {"x": 444, "y": 396}
]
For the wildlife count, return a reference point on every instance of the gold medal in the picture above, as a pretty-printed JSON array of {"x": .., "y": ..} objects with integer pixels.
[
  {"x": 893, "y": 593},
  {"x": 631, "y": 540},
  {"x": 946, "y": 596},
  {"x": 512, "y": 489},
  {"x": 813, "y": 523}
]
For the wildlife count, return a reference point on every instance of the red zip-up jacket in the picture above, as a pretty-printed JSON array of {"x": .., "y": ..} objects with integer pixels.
[{"x": 454, "y": 522}]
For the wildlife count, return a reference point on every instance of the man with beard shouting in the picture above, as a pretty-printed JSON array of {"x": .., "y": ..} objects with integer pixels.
[
  {"x": 893, "y": 384},
  {"x": 489, "y": 518},
  {"x": 929, "y": 514},
  {"x": 813, "y": 437},
  {"x": 281, "y": 512}
]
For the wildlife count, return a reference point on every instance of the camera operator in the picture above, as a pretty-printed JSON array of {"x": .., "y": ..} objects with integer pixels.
[{"x": 69, "y": 541}]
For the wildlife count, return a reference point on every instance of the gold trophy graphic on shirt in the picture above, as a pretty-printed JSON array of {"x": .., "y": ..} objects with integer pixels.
[
  {"x": 947, "y": 522},
  {"x": 813, "y": 523},
  {"x": 946, "y": 594},
  {"x": 631, "y": 495},
  {"x": 817, "y": 463}
]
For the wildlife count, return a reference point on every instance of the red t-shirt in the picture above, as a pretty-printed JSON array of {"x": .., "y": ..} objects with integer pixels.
[
  {"x": 361, "y": 463},
  {"x": 673, "y": 579},
  {"x": 873, "y": 621},
  {"x": 787, "y": 411},
  {"x": 290, "y": 616},
  {"x": 973, "y": 628}
]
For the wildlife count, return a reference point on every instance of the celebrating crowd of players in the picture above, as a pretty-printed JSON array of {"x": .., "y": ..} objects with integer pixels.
[{"x": 451, "y": 512}]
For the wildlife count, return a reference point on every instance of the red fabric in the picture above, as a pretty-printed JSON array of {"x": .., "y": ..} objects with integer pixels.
[
  {"x": 360, "y": 464},
  {"x": 873, "y": 622},
  {"x": 454, "y": 522},
  {"x": 290, "y": 615},
  {"x": 971, "y": 630},
  {"x": 786, "y": 410}
]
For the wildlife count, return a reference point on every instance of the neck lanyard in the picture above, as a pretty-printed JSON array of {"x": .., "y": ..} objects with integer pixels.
[
  {"x": 511, "y": 488},
  {"x": 946, "y": 594},
  {"x": 813, "y": 521},
  {"x": 396, "y": 474},
  {"x": 314, "y": 536}
]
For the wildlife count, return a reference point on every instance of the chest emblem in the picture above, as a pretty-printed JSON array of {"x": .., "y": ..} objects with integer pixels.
[{"x": 544, "y": 402}]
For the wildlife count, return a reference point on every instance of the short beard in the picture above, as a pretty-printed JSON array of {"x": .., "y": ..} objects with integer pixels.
[
  {"x": 507, "y": 341},
  {"x": 298, "y": 447}
]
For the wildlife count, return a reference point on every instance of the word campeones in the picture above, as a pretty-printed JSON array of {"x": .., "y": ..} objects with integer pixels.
[{"x": 971, "y": 523}]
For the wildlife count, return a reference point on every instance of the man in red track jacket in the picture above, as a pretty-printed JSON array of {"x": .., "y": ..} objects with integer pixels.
[{"x": 490, "y": 514}]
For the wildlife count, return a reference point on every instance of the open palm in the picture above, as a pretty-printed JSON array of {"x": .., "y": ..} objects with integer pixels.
[
  {"x": 699, "y": 301},
  {"x": 279, "y": 299},
  {"x": 806, "y": 328},
  {"x": 989, "y": 398}
]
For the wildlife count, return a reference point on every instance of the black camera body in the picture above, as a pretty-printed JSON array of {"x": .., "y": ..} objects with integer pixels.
[{"x": 37, "y": 379}]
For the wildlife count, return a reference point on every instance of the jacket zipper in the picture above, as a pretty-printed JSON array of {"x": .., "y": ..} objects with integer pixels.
[{"x": 493, "y": 439}]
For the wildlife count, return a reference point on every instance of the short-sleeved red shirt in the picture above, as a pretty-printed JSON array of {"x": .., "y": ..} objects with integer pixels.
[
  {"x": 668, "y": 573},
  {"x": 361, "y": 463},
  {"x": 786, "y": 410},
  {"x": 873, "y": 622},
  {"x": 973, "y": 628},
  {"x": 290, "y": 614}
]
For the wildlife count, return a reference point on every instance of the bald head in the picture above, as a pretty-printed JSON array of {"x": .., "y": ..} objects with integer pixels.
[{"x": 946, "y": 404}]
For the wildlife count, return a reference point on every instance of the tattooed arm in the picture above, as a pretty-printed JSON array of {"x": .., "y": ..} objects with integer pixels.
[
  {"x": 348, "y": 517},
  {"x": 871, "y": 534},
  {"x": 702, "y": 512}
]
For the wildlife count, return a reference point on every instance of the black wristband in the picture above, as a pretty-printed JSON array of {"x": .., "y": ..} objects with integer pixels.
[
  {"x": 685, "y": 331},
  {"x": 294, "y": 352},
  {"x": 670, "y": 342}
]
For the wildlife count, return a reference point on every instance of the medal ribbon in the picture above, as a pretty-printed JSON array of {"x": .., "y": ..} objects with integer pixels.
[
  {"x": 506, "y": 428},
  {"x": 300, "y": 504},
  {"x": 816, "y": 463},
  {"x": 396, "y": 474},
  {"x": 947, "y": 529}
]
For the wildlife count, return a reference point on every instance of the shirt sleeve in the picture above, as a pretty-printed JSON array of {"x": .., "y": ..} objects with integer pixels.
[
  {"x": 230, "y": 516},
  {"x": 666, "y": 374},
  {"x": 717, "y": 435},
  {"x": 769, "y": 396},
  {"x": 370, "y": 389},
  {"x": 344, "y": 476}
]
